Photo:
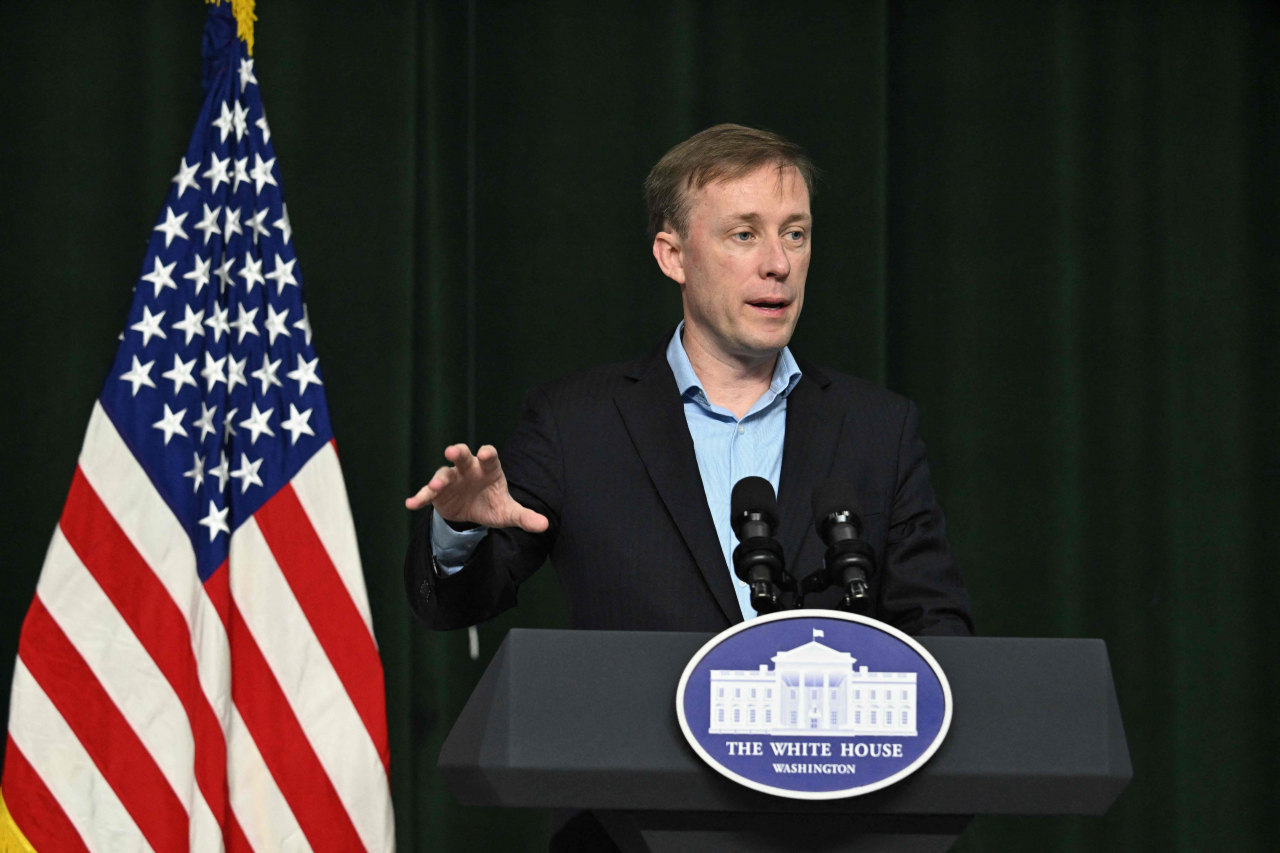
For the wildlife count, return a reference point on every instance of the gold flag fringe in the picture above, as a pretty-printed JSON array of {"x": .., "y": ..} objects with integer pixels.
[
  {"x": 11, "y": 838},
  {"x": 243, "y": 12}
]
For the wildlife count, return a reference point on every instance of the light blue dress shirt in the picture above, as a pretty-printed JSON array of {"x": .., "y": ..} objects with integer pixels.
[{"x": 727, "y": 449}]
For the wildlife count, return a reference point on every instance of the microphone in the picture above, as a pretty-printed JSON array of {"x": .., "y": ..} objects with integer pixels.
[
  {"x": 758, "y": 560},
  {"x": 849, "y": 561}
]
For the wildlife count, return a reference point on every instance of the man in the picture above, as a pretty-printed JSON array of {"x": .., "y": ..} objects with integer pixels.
[{"x": 622, "y": 474}]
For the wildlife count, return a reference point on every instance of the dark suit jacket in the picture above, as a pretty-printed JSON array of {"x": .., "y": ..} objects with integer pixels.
[{"x": 607, "y": 457}]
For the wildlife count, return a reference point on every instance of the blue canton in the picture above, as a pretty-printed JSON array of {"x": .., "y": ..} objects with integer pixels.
[
  {"x": 216, "y": 387},
  {"x": 729, "y": 449}
]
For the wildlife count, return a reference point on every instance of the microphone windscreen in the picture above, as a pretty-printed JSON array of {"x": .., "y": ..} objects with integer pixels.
[
  {"x": 835, "y": 495},
  {"x": 752, "y": 494}
]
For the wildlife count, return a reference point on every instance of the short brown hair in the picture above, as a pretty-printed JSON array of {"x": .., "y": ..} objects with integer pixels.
[{"x": 723, "y": 152}]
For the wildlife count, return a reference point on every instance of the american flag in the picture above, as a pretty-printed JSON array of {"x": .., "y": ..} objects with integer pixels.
[{"x": 198, "y": 669}]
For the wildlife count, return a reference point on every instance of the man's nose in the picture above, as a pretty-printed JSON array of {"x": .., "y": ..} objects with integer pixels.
[{"x": 775, "y": 262}]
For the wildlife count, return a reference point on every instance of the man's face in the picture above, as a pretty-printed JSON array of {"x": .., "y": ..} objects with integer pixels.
[{"x": 743, "y": 265}]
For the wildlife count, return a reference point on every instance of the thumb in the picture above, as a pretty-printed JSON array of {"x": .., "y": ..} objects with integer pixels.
[{"x": 528, "y": 520}]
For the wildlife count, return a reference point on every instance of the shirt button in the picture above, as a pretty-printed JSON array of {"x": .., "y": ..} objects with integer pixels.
[{"x": 741, "y": 429}]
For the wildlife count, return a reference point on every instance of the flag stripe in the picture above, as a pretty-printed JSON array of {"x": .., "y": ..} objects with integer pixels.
[
  {"x": 102, "y": 730},
  {"x": 252, "y": 793},
  {"x": 308, "y": 682},
  {"x": 284, "y": 747},
  {"x": 73, "y": 778},
  {"x": 322, "y": 491},
  {"x": 34, "y": 809},
  {"x": 332, "y": 614},
  {"x": 127, "y": 675},
  {"x": 129, "y": 494},
  {"x": 130, "y": 498},
  {"x": 205, "y": 832},
  {"x": 144, "y": 604},
  {"x": 218, "y": 589},
  {"x": 269, "y": 824},
  {"x": 237, "y": 842}
]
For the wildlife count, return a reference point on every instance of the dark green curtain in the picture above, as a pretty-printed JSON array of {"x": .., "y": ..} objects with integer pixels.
[{"x": 1053, "y": 225}]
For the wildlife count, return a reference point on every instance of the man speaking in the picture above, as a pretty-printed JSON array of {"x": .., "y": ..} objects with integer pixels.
[{"x": 622, "y": 475}]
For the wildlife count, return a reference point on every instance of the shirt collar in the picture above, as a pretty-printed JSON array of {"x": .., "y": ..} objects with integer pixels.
[{"x": 786, "y": 373}]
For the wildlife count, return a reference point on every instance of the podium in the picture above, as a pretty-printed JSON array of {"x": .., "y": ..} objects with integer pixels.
[{"x": 586, "y": 720}]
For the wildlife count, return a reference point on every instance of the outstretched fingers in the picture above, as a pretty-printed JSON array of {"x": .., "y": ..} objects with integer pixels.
[
  {"x": 487, "y": 456},
  {"x": 459, "y": 455},
  {"x": 468, "y": 478},
  {"x": 421, "y": 499},
  {"x": 440, "y": 480}
]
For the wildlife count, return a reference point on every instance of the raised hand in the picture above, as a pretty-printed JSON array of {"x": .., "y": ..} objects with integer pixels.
[{"x": 473, "y": 489}]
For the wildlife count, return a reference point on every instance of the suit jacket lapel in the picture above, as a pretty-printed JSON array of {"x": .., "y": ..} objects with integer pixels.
[
  {"x": 813, "y": 431},
  {"x": 654, "y": 417}
]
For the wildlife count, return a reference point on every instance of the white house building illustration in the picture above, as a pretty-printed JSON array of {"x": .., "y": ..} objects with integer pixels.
[{"x": 813, "y": 689}]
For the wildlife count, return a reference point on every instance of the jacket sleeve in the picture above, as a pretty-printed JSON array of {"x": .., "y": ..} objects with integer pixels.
[
  {"x": 487, "y": 584},
  {"x": 921, "y": 591}
]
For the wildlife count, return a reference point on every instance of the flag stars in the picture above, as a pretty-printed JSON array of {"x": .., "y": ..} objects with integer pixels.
[
  {"x": 240, "y": 120},
  {"x": 251, "y": 272},
  {"x": 256, "y": 226},
  {"x": 231, "y": 225},
  {"x": 222, "y": 472},
  {"x": 171, "y": 423},
  {"x": 286, "y": 230},
  {"x": 305, "y": 374},
  {"x": 213, "y": 372},
  {"x": 217, "y": 171},
  {"x": 275, "y": 324},
  {"x": 224, "y": 274},
  {"x": 241, "y": 175},
  {"x": 223, "y": 123},
  {"x": 196, "y": 473},
  {"x": 199, "y": 275},
  {"x": 257, "y": 423},
  {"x": 149, "y": 325},
  {"x": 261, "y": 172},
  {"x": 246, "y": 74},
  {"x": 209, "y": 224},
  {"x": 247, "y": 473},
  {"x": 304, "y": 324},
  {"x": 220, "y": 431},
  {"x": 235, "y": 373},
  {"x": 172, "y": 226},
  {"x": 267, "y": 373},
  {"x": 186, "y": 177},
  {"x": 161, "y": 275},
  {"x": 192, "y": 324},
  {"x": 139, "y": 375},
  {"x": 297, "y": 424},
  {"x": 216, "y": 521},
  {"x": 181, "y": 375},
  {"x": 218, "y": 321},
  {"x": 283, "y": 274},
  {"x": 205, "y": 421},
  {"x": 228, "y": 429}
]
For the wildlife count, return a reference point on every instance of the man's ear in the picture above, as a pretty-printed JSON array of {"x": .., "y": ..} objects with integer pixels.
[{"x": 668, "y": 251}]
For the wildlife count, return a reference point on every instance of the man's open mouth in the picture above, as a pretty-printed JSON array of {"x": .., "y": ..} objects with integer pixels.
[{"x": 772, "y": 305}]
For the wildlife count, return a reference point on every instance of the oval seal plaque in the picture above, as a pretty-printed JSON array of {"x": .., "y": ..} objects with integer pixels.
[{"x": 814, "y": 704}]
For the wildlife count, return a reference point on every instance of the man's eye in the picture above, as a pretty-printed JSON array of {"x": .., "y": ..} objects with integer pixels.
[
  {"x": 742, "y": 236},
  {"x": 796, "y": 235}
]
